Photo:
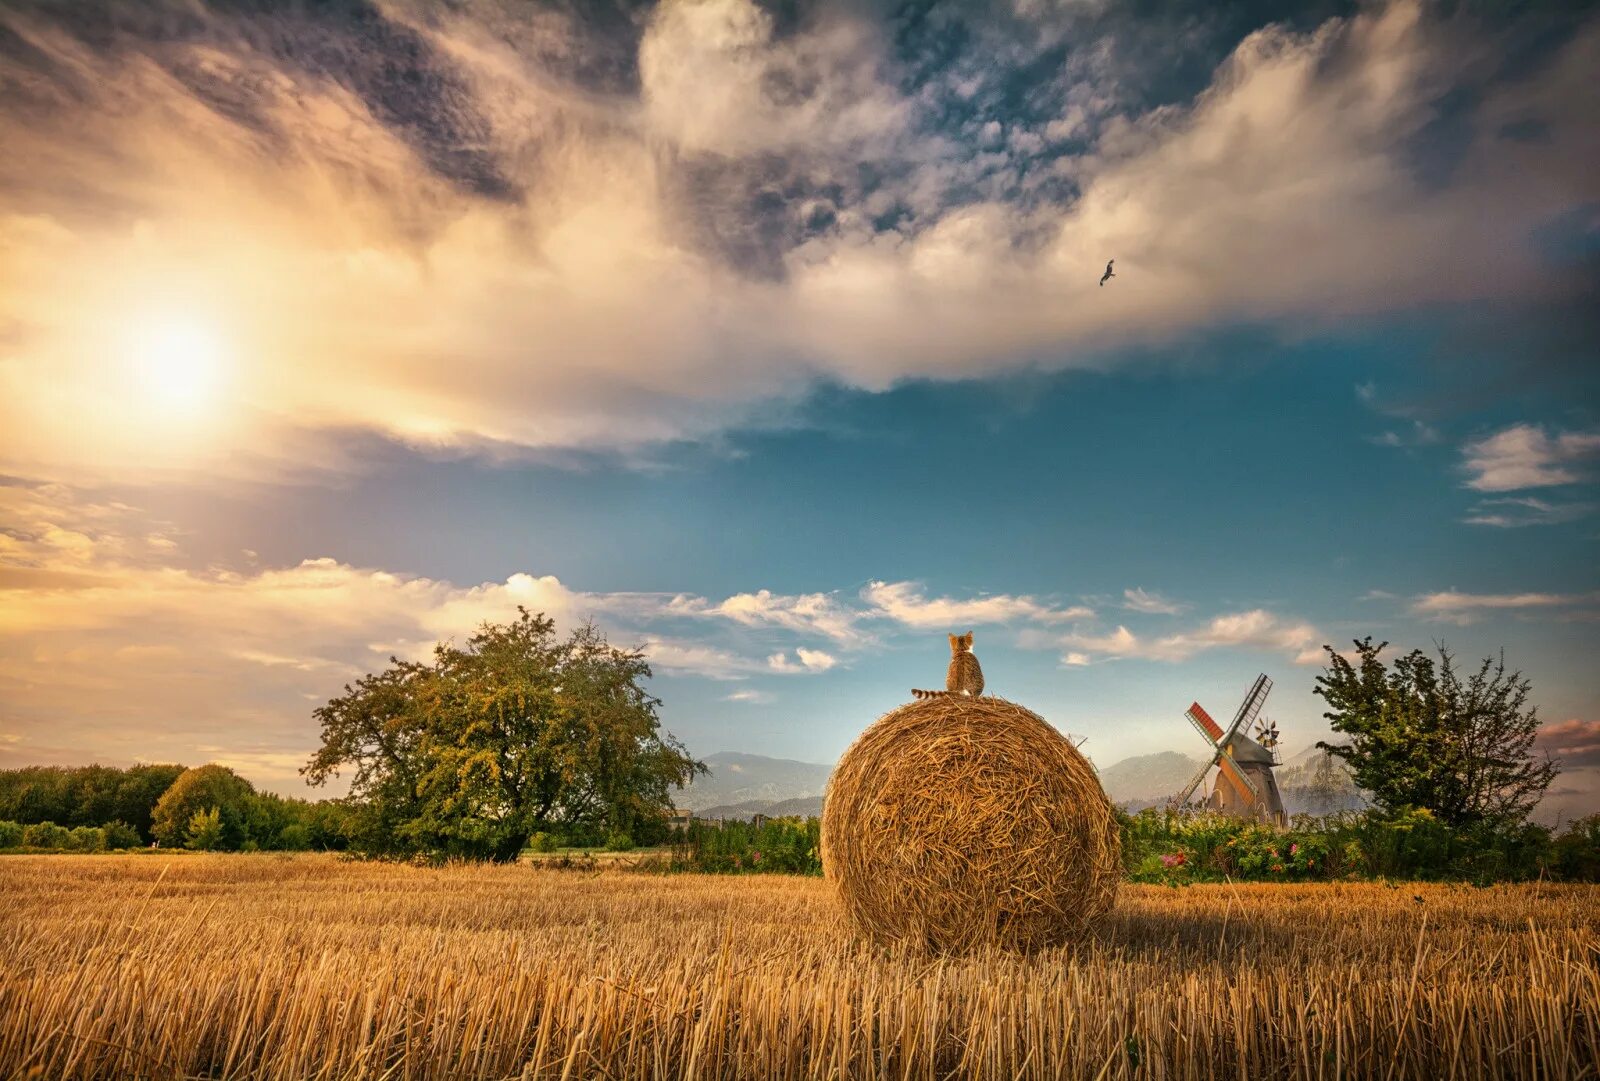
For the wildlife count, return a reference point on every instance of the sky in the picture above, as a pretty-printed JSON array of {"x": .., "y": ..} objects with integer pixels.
[{"x": 770, "y": 339}]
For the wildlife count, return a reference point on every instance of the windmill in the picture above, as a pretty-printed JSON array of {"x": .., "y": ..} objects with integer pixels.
[{"x": 1245, "y": 785}]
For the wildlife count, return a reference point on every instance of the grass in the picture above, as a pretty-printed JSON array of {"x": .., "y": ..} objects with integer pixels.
[{"x": 272, "y": 966}]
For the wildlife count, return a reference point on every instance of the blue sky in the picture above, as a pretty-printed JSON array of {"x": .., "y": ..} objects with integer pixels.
[{"x": 770, "y": 340}]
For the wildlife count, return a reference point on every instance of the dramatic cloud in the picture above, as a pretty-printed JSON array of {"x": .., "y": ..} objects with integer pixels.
[
  {"x": 904, "y": 603},
  {"x": 1575, "y": 743},
  {"x": 1255, "y": 629},
  {"x": 229, "y": 239},
  {"x": 1453, "y": 607},
  {"x": 1525, "y": 456}
]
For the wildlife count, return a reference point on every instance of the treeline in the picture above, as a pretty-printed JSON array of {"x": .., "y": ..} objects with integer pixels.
[
  {"x": 1176, "y": 847},
  {"x": 1179, "y": 847},
  {"x": 212, "y": 808}
]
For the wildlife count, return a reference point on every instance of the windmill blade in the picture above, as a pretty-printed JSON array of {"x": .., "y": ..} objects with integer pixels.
[
  {"x": 1188, "y": 789},
  {"x": 1238, "y": 775},
  {"x": 1250, "y": 708},
  {"x": 1204, "y": 724}
]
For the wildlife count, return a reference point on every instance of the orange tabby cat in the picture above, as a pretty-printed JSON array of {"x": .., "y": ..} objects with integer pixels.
[{"x": 964, "y": 677}]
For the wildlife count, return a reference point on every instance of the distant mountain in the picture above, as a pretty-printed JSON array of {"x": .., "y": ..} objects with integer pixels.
[
  {"x": 1315, "y": 782},
  {"x": 1148, "y": 778},
  {"x": 804, "y": 807},
  {"x": 738, "y": 779}
]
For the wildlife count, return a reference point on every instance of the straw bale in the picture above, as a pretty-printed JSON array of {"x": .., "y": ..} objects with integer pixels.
[{"x": 955, "y": 822}]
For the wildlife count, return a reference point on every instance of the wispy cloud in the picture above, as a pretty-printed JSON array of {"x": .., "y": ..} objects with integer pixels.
[
  {"x": 905, "y": 603},
  {"x": 1254, "y": 629},
  {"x": 1454, "y": 607},
  {"x": 1517, "y": 512},
  {"x": 1526, "y": 456},
  {"x": 1139, "y": 600},
  {"x": 809, "y": 613}
]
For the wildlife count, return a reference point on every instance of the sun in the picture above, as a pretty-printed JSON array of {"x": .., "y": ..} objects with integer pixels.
[{"x": 178, "y": 363}]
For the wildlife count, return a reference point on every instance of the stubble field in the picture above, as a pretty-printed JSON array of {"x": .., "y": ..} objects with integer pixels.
[{"x": 311, "y": 967}]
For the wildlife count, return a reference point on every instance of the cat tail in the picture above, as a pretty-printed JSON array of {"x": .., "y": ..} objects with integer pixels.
[{"x": 916, "y": 693}]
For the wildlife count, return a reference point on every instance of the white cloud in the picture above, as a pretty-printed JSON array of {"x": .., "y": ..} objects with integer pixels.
[
  {"x": 749, "y": 696},
  {"x": 904, "y": 603},
  {"x": 1255, "y": 629},
  {"x": 1139, "y": 600},
  {"x": 806, "y": 661},
  {"x": 808, "y": 613},
  {"x": 1451, "y": 606},
  {"x": 1525, "y": 456}
]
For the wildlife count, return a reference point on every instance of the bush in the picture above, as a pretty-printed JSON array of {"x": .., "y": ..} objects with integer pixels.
[
  {"x": 294, "y": 838},
  {"x": 543, "y": 842},
  {"x": 205, "y": 830},
  {"x": 1575, "y": 855},
  {"x": 778, "y": 845},
  {"x": 11, "y": 834},
  {"x": 45, "y": 835},
  {"x": 619, "y": 842},
  {"x": 121, "y": 835},
  {"x": 86, "y": 839}
]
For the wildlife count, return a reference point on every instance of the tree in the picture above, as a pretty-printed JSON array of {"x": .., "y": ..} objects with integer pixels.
[
  {"x": 1420, "y": 736},
  {"x": 204, "y": 832},
  {"x": 510, "y": 735},
  {"x": 202, "y": 789}
]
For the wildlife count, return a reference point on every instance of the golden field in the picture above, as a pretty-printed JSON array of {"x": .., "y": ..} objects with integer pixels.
[{"x": 271, "y": 966}]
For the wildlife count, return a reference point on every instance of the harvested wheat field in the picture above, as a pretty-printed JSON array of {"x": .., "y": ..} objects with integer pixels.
[{"x": 301, "y": 967}]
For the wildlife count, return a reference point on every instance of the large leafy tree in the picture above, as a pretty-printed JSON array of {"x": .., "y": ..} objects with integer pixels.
[
  {"x": 1420, "y": 735},
  {"x": 205, "y": 789},
  {"x": 514, "y": 733}
]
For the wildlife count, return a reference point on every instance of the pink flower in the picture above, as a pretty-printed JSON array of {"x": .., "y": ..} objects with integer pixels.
[
  {"x": 1294, "y": 848},
  {"x": 1175, "y": 859}
]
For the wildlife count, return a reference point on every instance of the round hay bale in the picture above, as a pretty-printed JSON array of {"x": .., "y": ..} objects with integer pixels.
[{"x": 956, "y": 822}]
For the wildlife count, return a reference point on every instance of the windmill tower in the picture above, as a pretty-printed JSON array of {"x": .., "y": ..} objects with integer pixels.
[{"x": 1245, "y": 785}]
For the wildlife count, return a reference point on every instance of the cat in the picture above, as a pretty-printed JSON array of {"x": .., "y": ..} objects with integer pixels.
[{"x": 965, "y": 676}]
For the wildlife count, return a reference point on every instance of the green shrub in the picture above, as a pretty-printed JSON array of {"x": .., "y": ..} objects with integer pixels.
[
  {"x": 45, "y": 835},
  {"x": 294, "y": 838},
  {"x": 543, "y": 842},
  {"x": 205, "y": 830},
  {"x": 1575, "y": 855},
  {"x": 121, "y": 835},
  {"x": 778, "y": 845},
  {"x": 11, "y": 834},
  {"x": 86, "y": 839},
  {"x": 619, "y": 842}
]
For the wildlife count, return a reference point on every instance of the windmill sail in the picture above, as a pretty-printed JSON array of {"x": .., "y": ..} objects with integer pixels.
[{"x": 1249, "y": 710}]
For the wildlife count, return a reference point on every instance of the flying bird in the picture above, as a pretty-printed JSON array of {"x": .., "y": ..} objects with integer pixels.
[{"x": 1108, "y": 274}]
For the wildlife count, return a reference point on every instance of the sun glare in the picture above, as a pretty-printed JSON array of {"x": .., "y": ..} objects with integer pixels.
[{"x": 179, "y": 363}]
